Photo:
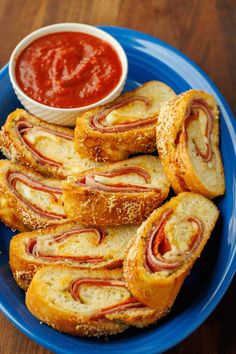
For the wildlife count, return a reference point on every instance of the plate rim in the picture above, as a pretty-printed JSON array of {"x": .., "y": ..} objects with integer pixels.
[{"x": 223, "y": 285}]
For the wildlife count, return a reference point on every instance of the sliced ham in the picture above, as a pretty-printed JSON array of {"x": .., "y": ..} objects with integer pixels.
[
  {"x": 90, "y": 181},
  {"x": 23, "y": 127},
  {"x": 197, "y": 237},
  {"x": 193, "y": 114},
  {"x": 98, "y": 121},
  {"x": 13, "y": 177},
  {"x": 97, "y": 230},
  {"x": 158, "y": 244},
  {"x": 32, "y": 247},
  {"x": 130, "y": 303}
]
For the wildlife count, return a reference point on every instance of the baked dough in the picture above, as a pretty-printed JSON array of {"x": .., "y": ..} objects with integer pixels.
[
  {"x": 29, "y": 200},
  {"x": 45, "y": 147},
  {"x": 123, "y": 127},
  {"x": 123, "y": 193},
  {"x": 85, "y": 303},
  {"x": 188, "y": 144},
  {"x": 70, "y": 244},
  {"x": 165, "y": 248}
]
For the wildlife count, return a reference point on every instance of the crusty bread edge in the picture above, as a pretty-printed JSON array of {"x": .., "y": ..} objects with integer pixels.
[
  {"x": 113, "y": 147},
  {"x": 166, "y": 287},
  {"x": 63, "y": 321},
  {"x": 13, "y": 149},
  {"x": 23, "y": 269},
  {"x": 22, "y": 218},
  {"x": 104, "y": 208},
  {"x": 179, "y": 169}
]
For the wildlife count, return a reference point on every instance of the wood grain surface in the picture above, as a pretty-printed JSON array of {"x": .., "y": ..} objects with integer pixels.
[{"x": 205, "y": 30}]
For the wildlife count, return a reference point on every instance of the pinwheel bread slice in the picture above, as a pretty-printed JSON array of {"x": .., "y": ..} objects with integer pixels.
[
  {"x": 188, "y": 144},
  {"x": 69, "y": 244},
  {"x": 123, "y": 193},
  {"x": 28, "y": 200},
  {"x": 124, "y": 127},
  {"x": 165, "y": 248},
  {"x": 45, "y": 147},
  {"x": 85, "y": 302}
]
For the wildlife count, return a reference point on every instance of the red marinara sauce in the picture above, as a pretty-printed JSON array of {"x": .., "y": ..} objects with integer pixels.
[{"x": 68, "y": 69}]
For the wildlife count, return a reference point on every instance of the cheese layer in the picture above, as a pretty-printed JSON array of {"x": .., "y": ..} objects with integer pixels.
[
  {"x": 45, "y": 201},
  {"x": 150, "y": 164},
  {"x": 156, "y": 92},
  {"x": 60, "y": 150}
]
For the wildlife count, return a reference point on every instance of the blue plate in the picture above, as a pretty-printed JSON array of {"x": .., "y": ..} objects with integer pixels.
[{"x": 149, "y": 59}]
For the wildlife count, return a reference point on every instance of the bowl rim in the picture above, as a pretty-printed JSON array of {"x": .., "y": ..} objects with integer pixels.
[{"x": 69, "y": 27}]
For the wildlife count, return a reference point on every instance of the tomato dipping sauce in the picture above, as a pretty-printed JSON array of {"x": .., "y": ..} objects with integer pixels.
[{"x": 68, "y": 69}]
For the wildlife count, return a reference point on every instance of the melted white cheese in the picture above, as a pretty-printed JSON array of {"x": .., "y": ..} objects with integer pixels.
[
  {"x": 179, "y": 232},
  {"x": 151, "y": 164},
  {"x": 43, "y": 200},
  {"x": 130, "y": 112},
  {"x": 45, "y": 143},
  {"x": 113, "y": 245},
  {"x": 155, "y": 91},
  {"x": 60, "y": 150},
  {"x": 130, "y": 178}
]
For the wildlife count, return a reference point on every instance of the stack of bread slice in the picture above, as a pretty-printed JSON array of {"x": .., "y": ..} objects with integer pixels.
[{"x": 104, "y": 254}]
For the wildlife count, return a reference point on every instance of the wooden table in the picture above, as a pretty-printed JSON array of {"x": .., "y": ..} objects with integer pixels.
[{"x": 205, "y": 30}]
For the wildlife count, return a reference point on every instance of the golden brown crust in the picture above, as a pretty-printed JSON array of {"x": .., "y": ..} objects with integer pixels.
[
  {"x": 40, "y": 308},
  {"x": 76, "y": 322},
  {"x": 24, "y": 266},
  {"x": 90, "y": 206},
  {"x": 13, "y": 148},
  {"x": 174, "y": 152},
  {"x": 15, "y": 213},
  {"x": 104, "y": 208},
  {"x": 8, "y": 214},
  {"x": 153, "y": 288},
  {"x": 100, "y": 146}
]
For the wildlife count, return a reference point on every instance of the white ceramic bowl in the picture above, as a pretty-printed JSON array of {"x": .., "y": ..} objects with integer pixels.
[{"x": 65, "y": 116}]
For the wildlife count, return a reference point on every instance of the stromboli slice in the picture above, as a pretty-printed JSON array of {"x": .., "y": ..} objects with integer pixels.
[
  {"x": 45, "y": 147},
  {"x": 69, "y": 244},
  {"x": 124, "y": 127},
  {"x": 188, "y": 144},
  {"x": 85, "y": 303},
  {"x": 28, "y": 200},
  {"x": 165, "y": 248},
  {"x": 123, "y": 193}
]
